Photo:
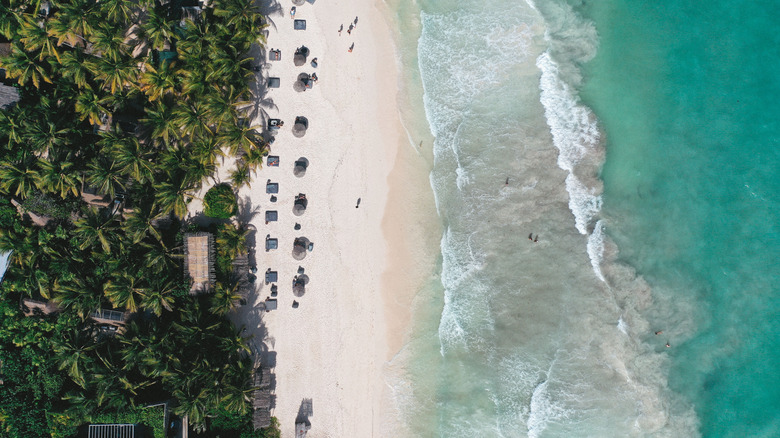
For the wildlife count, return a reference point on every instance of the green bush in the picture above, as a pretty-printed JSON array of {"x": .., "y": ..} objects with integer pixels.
[{"x": 220, "y": 202}]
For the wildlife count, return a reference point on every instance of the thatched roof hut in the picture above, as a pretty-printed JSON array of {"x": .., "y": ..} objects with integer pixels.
[{"x": 199, "y": 261}]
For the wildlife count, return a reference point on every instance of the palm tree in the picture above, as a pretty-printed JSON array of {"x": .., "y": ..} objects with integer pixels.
[
  {"x": 193, "y": 119},
  {"x": 76, "y": 19},
  {"x": 160, "y": 119},
  {"x": 63, "y": 31},
  {"x": 115, "y": 71},
  {"x": 11, "y": 125},
  {"x": 159, "y": 258},
  {"x": 133, "y": 159},
  {"x": 74, "y": 347},
  {"x": 105, "y": 175},
  {"x": 221, "y": 106},
  {"x": 23, "y": 66},
  {"x": 11, "y": 15},
  {"x": 90, "y": 106},
  {"x": 108, "y": 41},
  {"x": 157, "y": 83},
  {"x": 157, "y": 28},
  {"x": 140, "y": 222},
  {"x": 172, "y": 195},
  {"x": 241, "y": 177},
  {"x": 18, "y": 180},
  {"x": 114, "y": 388},
  {"x": 194, "y": 82},
  {"x": 194, "y": 402},
  {"x": 240, "y": 136},
  {"x": 238, "y": 13},
  {"x": 254, "y": 157},
  {"x": 58, "y": 176},
  {"x": 158, "y": 296},
  {"x": 35, "y": 38},
  {"x": 117, "y": 11},
  {"x": 231, "y": 240},
  {"x": 42, "y": 135},
  {"x": 92, "y": 228},
  {"x": 224, "y": 299},
  {"x": 123, "y": 292}
]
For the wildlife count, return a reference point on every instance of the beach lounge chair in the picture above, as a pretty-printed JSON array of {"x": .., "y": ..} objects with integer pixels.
[
  {"x": 274, "y": 124},
  {"x": 275, "y": 55},
  {"x": 270, "y": 304},
  {"x": 271, "y": 216},
  {"x": 299, "y": 24},
  {"x": 272, "y": 187},
  {"x": 271, "y": 276},
  {"x": 271, "y": 243},
  {"x": 274, "y": 83},
  {"x": 272, "y": 161}
]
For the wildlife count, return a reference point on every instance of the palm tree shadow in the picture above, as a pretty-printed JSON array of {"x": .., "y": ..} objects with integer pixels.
[
  {"x": 250, "y": 317},
  {"x": 246, "y": 213},
  {"x": 259, "y": 87},
  {"x": 268, "y": 8}
]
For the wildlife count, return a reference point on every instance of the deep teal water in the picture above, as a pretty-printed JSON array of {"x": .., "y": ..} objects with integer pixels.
[{"x": 687, "y": 94}]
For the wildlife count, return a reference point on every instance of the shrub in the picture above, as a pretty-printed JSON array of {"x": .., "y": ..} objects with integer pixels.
[{"x": 220, "y": 202}]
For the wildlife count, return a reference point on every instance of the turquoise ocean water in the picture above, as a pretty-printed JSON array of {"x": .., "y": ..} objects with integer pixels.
[{"x": 640, "y": 143}]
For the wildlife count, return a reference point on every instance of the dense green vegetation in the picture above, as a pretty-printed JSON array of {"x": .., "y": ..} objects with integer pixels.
[
  {"x": 133, "y": 102},
  {"x": 220, "y": 202}
]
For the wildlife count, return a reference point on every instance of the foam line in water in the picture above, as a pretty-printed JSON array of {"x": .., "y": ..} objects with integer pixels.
[{"x": 596, "y": 249}]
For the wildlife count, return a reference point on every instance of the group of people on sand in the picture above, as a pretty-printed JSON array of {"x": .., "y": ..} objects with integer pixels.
[{"x": 352, "y": 26}]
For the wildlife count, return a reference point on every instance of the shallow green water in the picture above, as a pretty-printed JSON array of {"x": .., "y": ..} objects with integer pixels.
[{"x": 687, "y": 94}]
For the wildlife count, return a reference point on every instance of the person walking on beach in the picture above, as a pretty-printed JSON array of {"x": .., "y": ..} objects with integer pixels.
[
  {"x": 531, "y": 237},
  {"x": 507, "y": 181},
  {"x": 358, "y": 203},
  {"x": 355, "y": 23},
  {"x": 351, "y": 47},
  {"x": 536, "y": 239},
  {"x": 349, "y": 30},
  {"x": 292, "y": 12},
  {"x": 340, "y": 29}
]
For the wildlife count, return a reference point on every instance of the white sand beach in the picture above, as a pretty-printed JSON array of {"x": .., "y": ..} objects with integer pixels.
[{"x": 364, "y": 269}]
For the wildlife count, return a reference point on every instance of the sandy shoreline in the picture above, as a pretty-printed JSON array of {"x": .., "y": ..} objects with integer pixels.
[{"x": 367, "y": 262}]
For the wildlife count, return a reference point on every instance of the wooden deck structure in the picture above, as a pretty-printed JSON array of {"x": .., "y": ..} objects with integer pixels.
[{"x": 199, "y": 261}]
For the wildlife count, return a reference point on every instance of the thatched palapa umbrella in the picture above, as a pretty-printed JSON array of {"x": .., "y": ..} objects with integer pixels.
[
  {"x": 298, "y": 2},
  {"x": 300, "y": 204},
  {"x": 301, "y": 164},
  {"x": 303, "y": 82},
  {"x": 300, "y": 127},
  {"x": 299, "y": 248},
  {"x": 299, "y": 288},
  {"x": 301, "y": 53}
]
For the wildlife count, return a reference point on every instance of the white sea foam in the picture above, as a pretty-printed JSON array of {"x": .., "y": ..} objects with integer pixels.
[{"x": 596, "y": 249}]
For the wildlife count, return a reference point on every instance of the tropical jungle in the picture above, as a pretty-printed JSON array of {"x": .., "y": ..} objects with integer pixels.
[{"x": 125, "y": 110}]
